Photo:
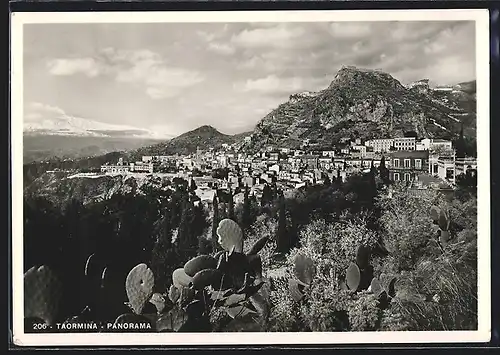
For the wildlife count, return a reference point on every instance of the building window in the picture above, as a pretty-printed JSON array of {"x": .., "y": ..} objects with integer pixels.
[
  {"x": 418, "y": 163},
  {"x": 407, "y": 177},
  {"x": 396, "y": 176},
  {"x": 396, "y": 163},
  {"x": 407, "y": 163}
]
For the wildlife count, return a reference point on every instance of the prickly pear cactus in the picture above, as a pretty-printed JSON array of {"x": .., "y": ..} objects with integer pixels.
[
  {"x": 444, "y": 237},
  {"x": 42, "y": 294},
  {"x": 207, "y": 277},
  {"x": 376, "y": 287},
  {"x": 353, "y": 277},
  {"x": 180, "y": 278},
  {"x": 200, "y": 263},
  {"x": 304, "y": 268},
  {"x": 258, "y": 246},
  {"x": 158, "y": 300},
  {"x": 174, "y": 294},
  {"x": 362, "y": 256},
  {"x": 295, "y": 292},
  {"x": 230, "y": 235},
  {"x": 443, "y": 221},
  {"x": 435, "y": 211},
  {"x": 139, "y": 285}
]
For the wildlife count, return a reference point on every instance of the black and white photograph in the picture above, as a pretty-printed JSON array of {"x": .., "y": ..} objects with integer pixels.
[{"x": 311, "y": 176}]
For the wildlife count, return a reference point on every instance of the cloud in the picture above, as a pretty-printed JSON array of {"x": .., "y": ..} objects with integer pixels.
[
  {"x": 40, "y": 107},
  {"x": 86, "y": 66},
  {"x": 350, "y": 30},
  {"x": 281, "y": 35},
  {"x": 273, "y": 84},
  {"x": 221, "y": 48},
  {"x": 140, "y": 67}
]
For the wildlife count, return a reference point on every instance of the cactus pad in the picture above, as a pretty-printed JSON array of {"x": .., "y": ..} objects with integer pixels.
[
  {"x": 205, "y": 278},
  {"x": 187, "y": 295},
  {"x": 180, "y": 279},
  {"x": 435, "y": 211},
  {"x": 200, "y": 263},
  {"x": 391, "y": 286},
  {"x": 255, "y": 263},
  {"x": 293, "y": 287},
  {"x": 444, "y": 237},
  {"x": 376, "y": 287},
  {"x": 304, "y": 268},
  {"x": 362, "y": 256},
  {"x": 173, "y": 293},
  {"x": 353, "y": 277},
  {"x": 261, "y": 243},
  {"x": 239, "y": 311},
  {"x": 230, "y": 235},
  {"x": 444, "y": 221},
  {"x": 139, "y": 285},
  {"x": 158, "y": 300},
  {"x": 42, "y": 294},
  {"x": 173, "y": 321},
  {"x": 234, "y": 299}
]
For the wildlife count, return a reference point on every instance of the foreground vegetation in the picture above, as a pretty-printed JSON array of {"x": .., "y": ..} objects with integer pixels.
[{"x": 345, "y": 256}]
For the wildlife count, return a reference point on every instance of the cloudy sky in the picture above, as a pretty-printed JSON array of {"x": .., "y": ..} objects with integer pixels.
[{"x": 176, "y": 77}]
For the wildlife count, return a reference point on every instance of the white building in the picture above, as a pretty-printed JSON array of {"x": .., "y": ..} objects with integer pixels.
[
  {"x": 361, "y": 149},
  {"x": 405, "y": 143},
  {"x": 141, "y": 167},
  {"x": 380, "y": 145},
  {"x": 328, "y": 153},
  {"x": 435, "y": 144}
]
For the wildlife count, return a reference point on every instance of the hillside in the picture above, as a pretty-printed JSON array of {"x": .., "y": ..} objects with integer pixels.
[
  {"x": 367, "y": 104},
  {"x": 60, "y": 187},
  {"x": 204, "y": 137}
]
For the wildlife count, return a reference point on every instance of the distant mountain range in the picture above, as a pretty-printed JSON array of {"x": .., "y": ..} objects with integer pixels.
[
  {"x": 65, "y": 125},
  {"x": 63, "y": 136}
]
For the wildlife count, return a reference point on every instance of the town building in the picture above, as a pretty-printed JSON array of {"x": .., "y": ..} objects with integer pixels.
[
  {"x": 328, "y": 153},
  {"x": 310, "y": 161},
  {"x": 405, "y": 164},
  {"x": 405, "y": 143},
  {"x": 435, "y": 144},
  {"x": 380, "y": 145}
]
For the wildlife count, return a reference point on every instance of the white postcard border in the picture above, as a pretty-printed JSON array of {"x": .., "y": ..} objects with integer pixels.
[{"x": 483, "y": 334}]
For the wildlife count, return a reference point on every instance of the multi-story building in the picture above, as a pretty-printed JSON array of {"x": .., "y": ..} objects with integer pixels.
[
  {"x": 141, "y": 167},
  {"x": 325, "y": 163},
  {"x": 405, "y": 143},
  {"x": 405, "y": 164},
  {"x": 310, "y": 161},
  {"x": 328, "y": 153},
  {"x": 380, "y": 145},
  {"x": 274, "y": 156},
  {"x": 435, "y": 144}
]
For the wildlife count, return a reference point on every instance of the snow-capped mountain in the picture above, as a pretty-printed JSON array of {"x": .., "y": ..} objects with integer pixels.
[{"x": 65, "y": 125}]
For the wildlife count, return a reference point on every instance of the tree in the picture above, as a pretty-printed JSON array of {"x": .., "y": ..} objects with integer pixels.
[
  {"x": 267, "y": 195},
  {"x": 162, "y": 254},
  {"x": 326, "y": 180},
  {"x": 193, "y": 186},
  {"x": 186, "y": 240},
  {"x": 230, "y": 210},
  {"x": 384, "y": 172},
  {"x": 283, "y": 244},
  {"x": 215, "y": 222},
  {"x": 460, "y": 143},
  {"x": 246, "y": 218}
]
